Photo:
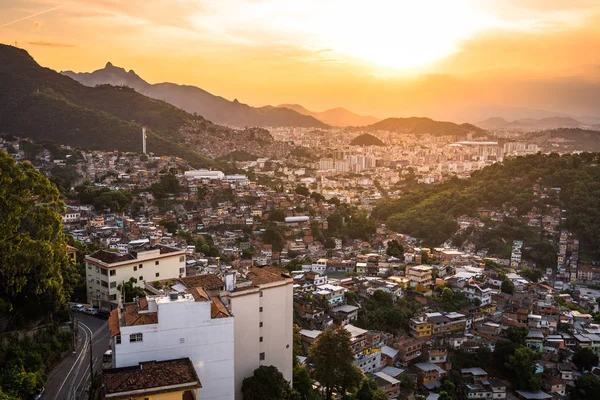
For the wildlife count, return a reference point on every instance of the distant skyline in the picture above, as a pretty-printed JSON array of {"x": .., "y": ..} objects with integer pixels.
[{"x": 459, "y": 60}]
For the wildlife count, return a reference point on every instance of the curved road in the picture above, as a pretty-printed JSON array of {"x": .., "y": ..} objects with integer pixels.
[{"x": 71, "y": 377}]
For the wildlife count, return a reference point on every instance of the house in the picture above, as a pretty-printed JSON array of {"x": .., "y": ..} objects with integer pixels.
[
  {"x": 344, "y": 314},
  {"x": 419, "y": 275},
  {"x": 161, "y": 328},
  {"x": 388, "y": 384},
  {"x": 474, "y": 374},
  {"x": 107, "y": 270},
  {"x": 429, "y": 373},
  {"x": 160, "y": 380},
  {"x": 539, "y": 395},
  {"x": 554, "y": 384}
]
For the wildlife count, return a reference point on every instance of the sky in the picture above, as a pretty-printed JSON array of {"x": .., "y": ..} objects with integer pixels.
[{"x": 461, "y": 60}]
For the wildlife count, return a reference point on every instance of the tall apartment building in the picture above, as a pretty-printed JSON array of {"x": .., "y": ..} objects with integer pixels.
[
  {"x": 107, "y": 270},
  {"x": 179, "y": 325},
  {"x": 227, "y": 328}
]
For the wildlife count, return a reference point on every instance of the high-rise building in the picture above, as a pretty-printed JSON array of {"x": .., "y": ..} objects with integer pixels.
[{"x": 144, "y": 139}]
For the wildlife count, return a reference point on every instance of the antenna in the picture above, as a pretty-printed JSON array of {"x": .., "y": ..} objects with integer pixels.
[{"x": 144, "y": 139}]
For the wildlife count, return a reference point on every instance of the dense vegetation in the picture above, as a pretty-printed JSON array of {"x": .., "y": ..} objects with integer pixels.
[
  {"x": 40, "y": 103},
  {"x": 366, "y": 139},
  {"x": 36, "y": 273},
  {"x": 423, "y": 126},
  {"x": 429, "y": 212}
]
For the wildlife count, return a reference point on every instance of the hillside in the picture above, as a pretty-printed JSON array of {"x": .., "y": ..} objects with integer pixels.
[
  {"x": 530, "y": 124},
  {"x": 429, "y": 212},
  {"x": 566, "y": 139},
  {"x": 196, "y": 100},
  {"x": 421, "y": 126},
  {"x": 42, "y": 104},
  {"x": 336, "y": 116},
  {"x": 366, "y": 140}
]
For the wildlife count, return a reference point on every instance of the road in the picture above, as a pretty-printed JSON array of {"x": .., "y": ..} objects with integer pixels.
[{"x": 69, "y": 379}]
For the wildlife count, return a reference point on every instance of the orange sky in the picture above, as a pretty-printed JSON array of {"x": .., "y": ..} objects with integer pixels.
[{"x": 437, "y": 58}]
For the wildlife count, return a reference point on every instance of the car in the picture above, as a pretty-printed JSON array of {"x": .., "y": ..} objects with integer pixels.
[
  {"x": 92, "y": 311},
  {"x": 39, "y": 393},
  {"x": 107, "y": 356},
  {"x": 77, "y": 307}
]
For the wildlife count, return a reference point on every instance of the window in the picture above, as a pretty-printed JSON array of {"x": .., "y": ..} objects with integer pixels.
[
  {"x": 182, "y": 259},
  {"x": 260, "y": 324},
  {"x": 104, "y": 284},
  {"x": 113, "y": 272},
  {"x": 136, "y": 337},
  {"x": 260, "y": 294},
  {"x": 97, "y": 270},
  {"x": 181, "y": 340},
  {"x": 118, "y": 339},
  {"x": 260, "y": 339},
  {"x": 181, "y": 270},
  {"x": 113, "y": 285},
  {"x": 135, "y": 267},
  {"x": 104, "y": 272},
  {"x": 141, "y": 278},
  {"x": 156, "y": 262},
  {"x": 260, "y": 309},
  {"x": 261, "y": 356},
  {"x": 141, "y": 266},
  {"x": 89, "y": 266},
  {"x": 157, "y": 274}
]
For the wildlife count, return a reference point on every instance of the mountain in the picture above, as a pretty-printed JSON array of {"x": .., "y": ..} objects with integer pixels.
[
  {"x": 531, "y": 124},
  {"x": 42, "y": 104},
  {"x": 195, "y": 100},
  {"x": 420, "y": 126},
  {"x": 336, "y": 116},
  {"x": 366, "y": 140}
]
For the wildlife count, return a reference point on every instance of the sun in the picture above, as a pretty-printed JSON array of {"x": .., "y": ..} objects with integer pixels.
[{"x": 401, "y": 34}]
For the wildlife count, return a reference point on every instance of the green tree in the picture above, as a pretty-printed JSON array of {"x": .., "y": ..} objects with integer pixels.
[
  {"x": 332, "y": 359},
  {"x": 368, "y": 390},
  {"x": 330, "y": 243},
  {"x": 302, "y": 190},
  {"x": 585, "y": 359},
  {"x": 586, "y": 388},
  {"x": 276, "y": 214},
  {"x": 303, "y": 383},
  {"x": 169, "y": 224},
  {"x": 267, "y": 383},
  {"x": 517, "y": 334},
  {"x": 522, "y": 364},
  {"x": 131, "y": 291},
  {"x": 394, "y": 249},
  {"x": 37, "y": 275},
  {"x": 507, "y": 287}
]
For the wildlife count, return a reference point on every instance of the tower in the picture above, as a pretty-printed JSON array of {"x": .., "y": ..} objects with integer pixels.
[{"x": 144, "y": 140}]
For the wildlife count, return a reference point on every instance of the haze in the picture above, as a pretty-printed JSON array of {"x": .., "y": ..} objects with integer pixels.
[{"x": 459, "y": 60}]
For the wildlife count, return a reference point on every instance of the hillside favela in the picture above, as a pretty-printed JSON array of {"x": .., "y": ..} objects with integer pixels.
[{"x": 299, "y": 200}]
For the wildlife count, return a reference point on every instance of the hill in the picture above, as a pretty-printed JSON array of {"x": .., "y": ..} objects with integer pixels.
[
  {"x": 531, "y": 124},
  {"x": 366, "y": 140},
  {"x": 336, "y": 116},
  {"x": 42, "y": 104},
  {"x": 196, "y": 100},
  {"x": 421, "y": 126},
  {"x": 565, "y": 139},
  {"x": 430, "y": 211}
]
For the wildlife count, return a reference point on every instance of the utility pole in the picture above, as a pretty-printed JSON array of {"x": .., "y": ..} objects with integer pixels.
[{"x": 91, "y": 361}]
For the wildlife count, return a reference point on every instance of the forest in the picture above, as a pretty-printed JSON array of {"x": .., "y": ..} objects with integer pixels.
[{"x": 429, "y": 212}]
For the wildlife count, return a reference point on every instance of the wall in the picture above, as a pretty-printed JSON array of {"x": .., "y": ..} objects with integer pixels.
[{"x": 185, "y": 329}]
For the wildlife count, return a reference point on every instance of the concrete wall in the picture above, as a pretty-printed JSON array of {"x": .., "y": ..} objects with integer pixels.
[{"x": 185, "y": 329}]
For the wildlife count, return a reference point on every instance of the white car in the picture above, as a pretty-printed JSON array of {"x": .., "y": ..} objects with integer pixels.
[{"x": 39, "y": 393}]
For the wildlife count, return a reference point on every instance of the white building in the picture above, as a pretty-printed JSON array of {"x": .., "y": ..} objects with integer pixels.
[
  {"x": 204, "y": 174},
  {"x": 193, "y": 325},
  {"x": 237, "y": 179},
  {"x": 71, "y": 217},
  {"x": 107, "y": 270}
]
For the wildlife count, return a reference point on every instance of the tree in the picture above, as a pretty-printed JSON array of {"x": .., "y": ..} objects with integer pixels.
[
  {"x": 447, "y": 294},
  {"x": 368, "y": 390},
  {"x": 302, "y": 190},
  {"x": 330, "y": 243},
  {"x": 585, "y": 359},
  {"x": 586, "y": 388},
  {"x": 332, "y": 359},
  {"x": 517, "y": 334},
  {"x": 276, "y": 214},
  {"x": 303, "y": 383},
  {"x": 131, "y": 292},
  {"x": 394, "y": 249},
  {"x": 507, "y": 287},
  {"x": 169, "y": 224},
  {"x": 522, "y": 364},
  {"x": 267, "y": 383},
  {"x": 37, "y": 276}
]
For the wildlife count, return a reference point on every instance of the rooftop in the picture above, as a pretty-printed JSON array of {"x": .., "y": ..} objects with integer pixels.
[
  {"x": 150, "y": 378},
  {"x": 206, "y": 281}
]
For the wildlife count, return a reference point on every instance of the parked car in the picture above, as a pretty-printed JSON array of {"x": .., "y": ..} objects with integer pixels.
[
  {"x": 77, "y": 307},
  {"x": 90, "y": 311},
  {"x": 39, "y": 393},
  {"x": 107, "y": 357}
]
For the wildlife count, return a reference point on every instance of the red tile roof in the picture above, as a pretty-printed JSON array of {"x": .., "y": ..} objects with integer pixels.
[
  {"x": 150, "y": 378},
  {"x": 133, "y": 317},
  {"x": 218, "y": 310},
  {"x": 260, "y": 276},
  {"x": 113, "y": 323},
  {"x": 199, "y": 294},
  {"x": 205, "y": 281}
]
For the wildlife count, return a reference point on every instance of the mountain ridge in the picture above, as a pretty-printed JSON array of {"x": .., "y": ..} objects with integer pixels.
[
  {"x": 337, "y": 116},
  {"x": 194, "y": 99},
  {"x": 554, "y": 122},
  {"x": 423, "y": 125}
]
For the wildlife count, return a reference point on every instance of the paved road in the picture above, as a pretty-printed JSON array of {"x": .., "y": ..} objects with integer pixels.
[{"x": 69, "y": 379}]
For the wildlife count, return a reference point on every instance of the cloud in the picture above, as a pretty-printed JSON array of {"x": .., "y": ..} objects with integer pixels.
[{"x": 51, "y": 44}]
